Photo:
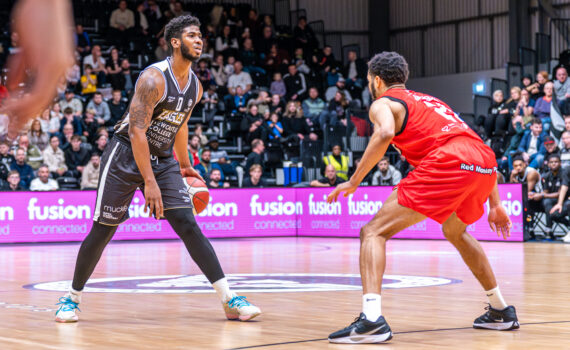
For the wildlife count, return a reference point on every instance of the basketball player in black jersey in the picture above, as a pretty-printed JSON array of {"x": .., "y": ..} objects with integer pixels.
[{"x": 140, "y": 156}]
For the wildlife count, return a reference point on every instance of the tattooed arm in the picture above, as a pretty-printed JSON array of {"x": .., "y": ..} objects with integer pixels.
[{"x": 149, "y": 90}]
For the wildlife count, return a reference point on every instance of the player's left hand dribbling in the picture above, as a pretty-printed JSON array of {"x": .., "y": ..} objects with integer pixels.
[
  {"x": 500, "y": 222},
  {"x": 347, "y": 187}
]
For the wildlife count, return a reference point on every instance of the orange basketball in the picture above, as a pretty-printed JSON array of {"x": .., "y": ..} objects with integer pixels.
[{"x": 198, "y": 192}]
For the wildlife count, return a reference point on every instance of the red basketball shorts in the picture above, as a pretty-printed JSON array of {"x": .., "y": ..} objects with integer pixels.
[{"x": 457, "y": 177}]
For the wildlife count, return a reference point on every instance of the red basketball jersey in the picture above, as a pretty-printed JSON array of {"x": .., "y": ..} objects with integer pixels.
[{"x": 428, "y": 125}]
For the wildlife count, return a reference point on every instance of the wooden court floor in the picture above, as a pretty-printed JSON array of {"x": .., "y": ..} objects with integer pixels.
[{"x": 535, "y": 277}]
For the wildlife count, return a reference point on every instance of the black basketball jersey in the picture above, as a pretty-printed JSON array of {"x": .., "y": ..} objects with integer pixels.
[{"x": 169, "y": 113}]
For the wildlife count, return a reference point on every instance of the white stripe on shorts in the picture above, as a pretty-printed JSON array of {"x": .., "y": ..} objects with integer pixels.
[{"x": 102, "y": 184}]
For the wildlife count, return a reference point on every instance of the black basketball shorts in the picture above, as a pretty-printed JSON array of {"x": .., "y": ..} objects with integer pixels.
[{"x": 120, "y": 177}]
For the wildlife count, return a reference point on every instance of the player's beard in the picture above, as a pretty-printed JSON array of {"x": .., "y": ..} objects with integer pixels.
[
  {"x": 185, "y": 52},
  {"x": 374, "y": 92}
]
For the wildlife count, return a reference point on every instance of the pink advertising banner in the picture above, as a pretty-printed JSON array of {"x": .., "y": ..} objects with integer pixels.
[{"x": 67, "y": 216}]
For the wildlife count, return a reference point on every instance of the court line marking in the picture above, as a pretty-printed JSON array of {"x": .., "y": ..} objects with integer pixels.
[{"x": 404, "y": 332}]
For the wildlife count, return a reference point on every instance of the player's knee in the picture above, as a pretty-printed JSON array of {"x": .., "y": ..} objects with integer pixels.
[
  {"x": 450, "y": 234},
  {"x": 367, "y": 231}
]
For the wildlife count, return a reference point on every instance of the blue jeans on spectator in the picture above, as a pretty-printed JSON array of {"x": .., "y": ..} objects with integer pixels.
[{"x": 536, "y": 161}]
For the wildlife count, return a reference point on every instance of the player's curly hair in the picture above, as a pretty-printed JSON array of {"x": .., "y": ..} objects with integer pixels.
[
  {"x": 175, "y": 27},
  {"x": 391, "y": 67}
]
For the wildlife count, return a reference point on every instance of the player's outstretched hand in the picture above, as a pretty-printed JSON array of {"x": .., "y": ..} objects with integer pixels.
[
  {"x": 500, "y": 222},
  {"x": 153, "y": 199},
  {"x": 346, "y": 187},
  {"x": 45, "y": 31},
  {"x": 190, "y": 171}
]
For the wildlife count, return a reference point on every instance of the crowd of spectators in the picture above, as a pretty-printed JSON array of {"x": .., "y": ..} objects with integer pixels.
[
  {"x": 273, "y": 89},
  {"x": 530, "y": 150}
]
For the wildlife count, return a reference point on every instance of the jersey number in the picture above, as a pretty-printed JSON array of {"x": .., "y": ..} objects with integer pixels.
[
  {"x": 179, "y": 104},
  {"x": 444, "y": 111}
]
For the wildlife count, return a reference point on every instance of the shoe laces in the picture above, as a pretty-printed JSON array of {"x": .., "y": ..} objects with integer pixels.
[
  {"x": 67, "y": 304},
  {"x": 238, "y": 302}
]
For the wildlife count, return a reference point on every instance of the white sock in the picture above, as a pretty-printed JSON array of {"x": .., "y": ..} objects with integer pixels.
[
  {"x": 75, "y": 295},
  {"x": 371, "y": 306},
  {"x": 223, "y": 289},
  {"x": 496, "y": 299}
]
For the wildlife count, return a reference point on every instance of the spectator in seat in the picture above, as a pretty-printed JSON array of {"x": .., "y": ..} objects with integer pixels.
[
  {"x": 314, "y": 105},
  {"x": 82, "y": 41},
  {"x": 122, "y": 23},
  {"x": 65, "y": 138},
  {"x": 37, "y": 136},
  {"x": 300, "y": 62},
  {"x": 70, "y": 119},
  {"x": 43, "y": 182},
  {"x": 127, "y": 81},
  {"x": 5, "y": 157},
  {"x": 355, "y": 71},
  {"x": 542, "y": 106},
  {"x": 239, "y": 78},
  {"x": 97, "y": 63},
  {"x": 339, "y": 161},
  {"x": 76, "y": 157},
  {"x": 334, "y": 113},
  {"x": 531, "y": 145},
  {"x": 26, "y": 172},
  {"x": 275, "y": 59},
  {"x": 141, "y": 22},
  {"x": 88, "y": 82},
  {"x": 90, "y": 125},
  {"x": 550, "y": 148},
  {"x": 262, "y": 102},
  {"x": 14, "y": 182},
  {"x": 252, "y": 125},
  {"x": 304, "y": 35},
  {"x": 210, "y": 101},
  {"x": 530, "y": 179},
  {"x": 205, "y": 167},
  {"x": 203, "y": 73},
  {"x": 72, "y": 102},
  {"x": 275, "y": 127},
  {"x": 295, "y": 84},
  {"x": 54, "y": 158},
  {"x": 117, "y": 108},
  {"x": 101, "y": 108},
  {"x": 277, "y": 105},
  {"x": 114, "y": 69},
  {"x": 194, "y": 149},
  {"x": 561, "y": 85},
  {"x": 215, "y": 180},
  {"x": 386, "y": 175},
  {"x": 226, "y": 43},
  {"x": 248, "y": 57},
  {"x": 34, "y": 156},
  {"x": 340, "y": 86},
  {"x": 256, "y": 155},
  {"x": 198, "y": 131},
  {"x": 4, "y": 170},
  {"x": 331, "y": 178},
  {"x": 565, "y": 149},
  {"x": 277, "y": 86},
  {"x": 266, "y": 41},
  {"x": 551, "y": 183},
  {"x": 562, "y": 207},
  {"x": 325, "y": 61},
  {"x": 218, "y": 71},
  {"x": 100, "y": 143},
  {"x": 90, "y": 175},
  {"x": 49, "y": 124},
  {"x": 162, "y": 51},
  {"x": 525, "y": 107},
  {"x": 497, "y": 108},
  {"x": 255, "y": 179}
]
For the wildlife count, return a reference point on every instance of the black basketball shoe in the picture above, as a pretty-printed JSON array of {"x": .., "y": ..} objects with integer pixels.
[
  {"x": 363, "y": 331},
  {"x": 499, "y": 320}
]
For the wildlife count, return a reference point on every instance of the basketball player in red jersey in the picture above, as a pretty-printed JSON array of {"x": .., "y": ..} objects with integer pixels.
[{"x": 455, "y": 174}]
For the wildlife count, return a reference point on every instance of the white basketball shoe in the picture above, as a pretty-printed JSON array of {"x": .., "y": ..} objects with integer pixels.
[
  {"x": 66, "y": 311},
  {"x": 239, "y": 308}
]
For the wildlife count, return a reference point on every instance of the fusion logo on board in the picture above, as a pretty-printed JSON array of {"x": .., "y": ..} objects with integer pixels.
[{"x": 242, "y": 283}]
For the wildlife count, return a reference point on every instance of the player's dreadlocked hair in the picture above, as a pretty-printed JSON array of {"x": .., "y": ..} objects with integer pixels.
[
  {"x": 175, "y": 27},
  {"x": 390, "y": 67}
]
